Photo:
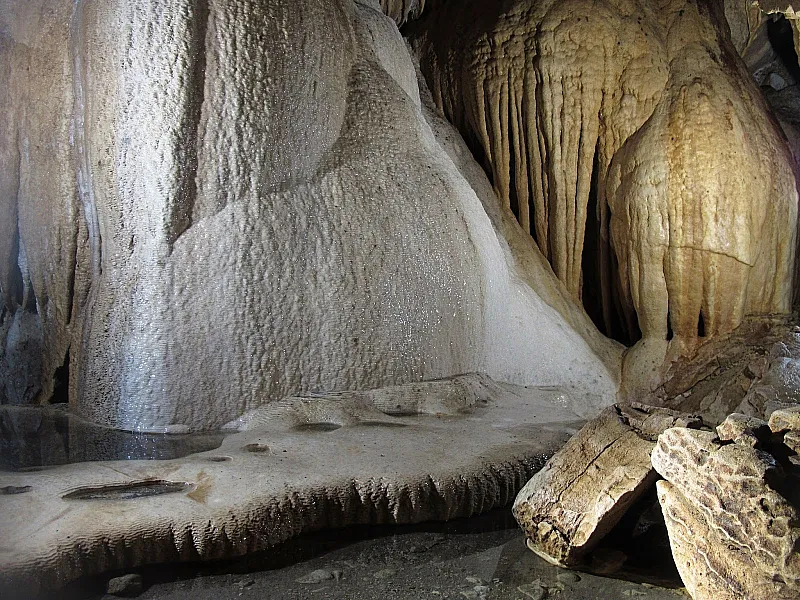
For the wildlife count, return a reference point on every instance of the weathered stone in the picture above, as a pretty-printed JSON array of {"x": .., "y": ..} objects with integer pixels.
[
  {"x": 732, "y": 534},
  {"x": 126, "y": 586},
  {"x": 743, "y": 429},
  {"x": 584, "y": 490},
  {"x": 751, "y": 371},
  {"x": 792, "y": 441},
  {"x": 785, "y": 419}
]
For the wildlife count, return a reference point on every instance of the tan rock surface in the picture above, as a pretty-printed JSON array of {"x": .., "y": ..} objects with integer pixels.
[
  {"x": 648, "y": 113},
  {"x": 583, "y": 491},
  {"x": 785, "y": 419},
  {"x": 743, "y": 429},
  {"x": 752, "y": 371},
  {"x": 733, "y": 535}
]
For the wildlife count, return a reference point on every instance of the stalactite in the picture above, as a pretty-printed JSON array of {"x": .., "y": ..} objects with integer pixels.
[
  {"x": 560, "y": 94},
  {"x": 402, "y": 10}
]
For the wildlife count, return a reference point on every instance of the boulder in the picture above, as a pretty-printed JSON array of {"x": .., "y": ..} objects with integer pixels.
[
  {"x": 584, "y": 490},
  {"x": 732, "y": 528}
]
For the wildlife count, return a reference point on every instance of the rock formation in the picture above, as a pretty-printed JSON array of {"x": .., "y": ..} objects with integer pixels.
[
  {"x": 732, "y": 514},
  {"x": 631, "y": 143},
  {"x": 585, "y": 489},
  {"x": 226, "y": 212},
  {"x": 730, "y": 498},
  {"x": 208, "y": 206},
  {"x": 753, "y": 371},
  {"x": 462, "y": 446}
]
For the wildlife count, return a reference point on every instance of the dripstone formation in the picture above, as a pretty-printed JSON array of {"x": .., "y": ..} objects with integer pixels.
[{"x": 217, "y": 213}]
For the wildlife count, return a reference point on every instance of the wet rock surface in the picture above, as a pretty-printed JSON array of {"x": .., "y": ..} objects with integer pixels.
[
  {"x": 584, "y": 490},
  {"x": 36, "y": 437},
  {"x": 275, "y": 481},
  {"x": 731, "y": 512}
]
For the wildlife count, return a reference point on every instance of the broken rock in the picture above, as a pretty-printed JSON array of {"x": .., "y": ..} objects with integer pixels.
[
  {"x": 785, "y": 419},
  {"x": 733, "y": 534},
  {"x": 584, "y": 490},
  {"x": 743, "y": 429}
]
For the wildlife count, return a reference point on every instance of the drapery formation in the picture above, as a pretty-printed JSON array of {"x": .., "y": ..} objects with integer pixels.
[{"x": 630, "y": 143}]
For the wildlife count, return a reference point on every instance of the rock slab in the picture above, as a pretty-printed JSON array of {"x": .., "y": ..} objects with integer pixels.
[
  {"x": 732, "y": 530},
  {"x": 584, "y": 490}
]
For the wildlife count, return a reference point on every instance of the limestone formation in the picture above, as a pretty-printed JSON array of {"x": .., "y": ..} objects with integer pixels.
[
  {"x": 733, "y": 529},
  {"x": 785, "y": 419},
  {"x": 316, "y": 463},
  {"x": 584, "y": 490},
  {"x": 632, "y": 145},
  {"x": 743, "y": 429},
  {"x": 402, "y": 10},
  {"x": 208, "y": 206}
]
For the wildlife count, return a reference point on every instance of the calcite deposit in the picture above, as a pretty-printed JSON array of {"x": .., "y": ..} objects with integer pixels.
[
  {"x": 629, "y": 140},
  {"x": 253, "y": 214},
  {"x": 439, "y": 450},
  {"x": 210, "y": 206}
]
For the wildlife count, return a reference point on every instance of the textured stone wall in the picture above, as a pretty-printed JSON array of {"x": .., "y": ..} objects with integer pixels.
[
  {"x": 632, "y": 144},
  {"x": 211, "y": 205}
]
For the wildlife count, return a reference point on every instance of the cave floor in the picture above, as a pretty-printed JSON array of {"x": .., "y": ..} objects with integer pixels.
[{"x": 481, "y": 558}]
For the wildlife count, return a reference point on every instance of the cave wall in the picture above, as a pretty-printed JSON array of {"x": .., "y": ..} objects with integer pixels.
[{"x": 216, "y": 204}]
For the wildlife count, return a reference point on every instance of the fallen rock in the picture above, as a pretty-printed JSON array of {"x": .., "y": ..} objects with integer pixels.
[
  {"x": 792, "y": 441},
  {"x": 534, "y": 590},
  {"x": 127, "y": 586},
  {"x": 733, "y": 535},
  {"x": 318, "y": 576},
  {"x": 785, "y": 419},
  {"x": 583, "y": 491},
  {"x": 744, "y": 429},
  {"x": 752, "y": 371}
]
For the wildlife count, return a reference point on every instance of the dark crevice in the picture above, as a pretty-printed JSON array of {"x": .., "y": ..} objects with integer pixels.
[
  {"x": 781, "y": 37},
  {"x": 14, "y": 292},
  {"x": 71, "y": 279},
  {"x": 61, "y": 383},
  {"x": 612, "y": 321},
  {"x": 513, "y": 197},
  {"x": 592, "y": 293},
  {"x": 701, "y": 326},
  {"x": 670, "y": 333}
]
